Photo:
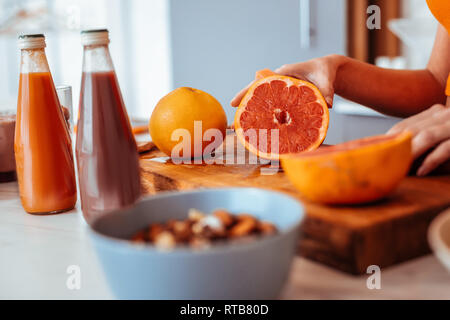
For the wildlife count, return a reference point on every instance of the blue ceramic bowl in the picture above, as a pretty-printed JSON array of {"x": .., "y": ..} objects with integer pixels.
[{"x": 254, "y": 270}]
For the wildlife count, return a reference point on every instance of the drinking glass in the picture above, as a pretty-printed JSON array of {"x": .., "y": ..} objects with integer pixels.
[{"x": 65, "y": 99}]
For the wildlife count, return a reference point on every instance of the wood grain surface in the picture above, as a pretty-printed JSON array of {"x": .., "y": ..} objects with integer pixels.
[{"x": 349, "y": 238}]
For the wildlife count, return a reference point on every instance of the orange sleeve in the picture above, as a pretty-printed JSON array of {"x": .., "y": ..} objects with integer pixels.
[{"x": 447, "y": 90}]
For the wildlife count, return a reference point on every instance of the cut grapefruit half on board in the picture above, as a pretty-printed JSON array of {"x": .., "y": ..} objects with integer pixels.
[
  {"x": 355, "y": 172},
  {"x": 280, "y": 115}
]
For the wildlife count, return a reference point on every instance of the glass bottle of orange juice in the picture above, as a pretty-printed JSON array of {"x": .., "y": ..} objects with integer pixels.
[{"x": 43, "y": 147}]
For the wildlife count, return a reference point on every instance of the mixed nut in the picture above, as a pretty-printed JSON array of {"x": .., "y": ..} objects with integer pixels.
[{"x": 200, "y": 230}]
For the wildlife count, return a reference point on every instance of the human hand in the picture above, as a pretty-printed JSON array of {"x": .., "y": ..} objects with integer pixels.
[
  {"x": 430, "y": 129},
  {"x": 320, "y": 71}
]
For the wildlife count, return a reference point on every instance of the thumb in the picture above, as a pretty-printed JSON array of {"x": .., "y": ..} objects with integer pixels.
[
  {"x": 329, "y": 102},
  {"x": 326, "y": 91},
  {"x": 328, "y": 95},
  {"x": 323, "y": 82}
]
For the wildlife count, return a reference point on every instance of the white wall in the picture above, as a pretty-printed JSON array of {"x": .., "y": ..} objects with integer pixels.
[
  {"x": 218, "y": 45},
  {"x": 139, "y": 47},
  {"x": 149, "y": 40},
  {"x": 157, "y": 45}
]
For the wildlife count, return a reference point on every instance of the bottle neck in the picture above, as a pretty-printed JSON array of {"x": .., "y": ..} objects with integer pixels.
[
  {"x": 96, "y": 58},
  {"x": 33, "y": 60}
]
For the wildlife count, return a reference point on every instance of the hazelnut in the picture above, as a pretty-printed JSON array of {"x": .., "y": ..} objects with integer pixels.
[
  {"x": 170, "y": 224},
  {"x": 165, "y": 241},
  {"x": 197, "y": 228},
  {"x": 195, "y": 215},
  {"x": 154, "y": 230},
  {"x": 201, "y": 230},
  {"x": 139, "y": 237},
  {"x": 182, "y": 231}
]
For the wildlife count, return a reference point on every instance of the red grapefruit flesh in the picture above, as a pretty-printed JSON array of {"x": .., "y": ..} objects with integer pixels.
[{"x": 289, "y": 116}]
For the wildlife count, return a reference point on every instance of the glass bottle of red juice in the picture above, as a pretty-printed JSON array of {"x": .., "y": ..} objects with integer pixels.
[{"x": 107, "y": 156}]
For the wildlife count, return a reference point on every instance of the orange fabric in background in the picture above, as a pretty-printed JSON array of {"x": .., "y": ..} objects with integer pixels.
[
  {"x": 447, "y": 91},
  {"x": 441, "y": 10}
]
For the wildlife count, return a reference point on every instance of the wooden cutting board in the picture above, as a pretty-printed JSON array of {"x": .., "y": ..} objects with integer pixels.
[{"x": 349, "y": 238}]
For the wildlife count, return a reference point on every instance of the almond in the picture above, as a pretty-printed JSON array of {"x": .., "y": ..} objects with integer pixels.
[
  {"x": 243, "y": 227},
  {"x": 225, "y": 217},
  {"x": 266, "y": 228}
]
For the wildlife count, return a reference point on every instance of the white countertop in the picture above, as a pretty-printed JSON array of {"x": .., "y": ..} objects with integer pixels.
[
  {"x": 35, "y": 252},
  {"x": 348, "y": 107}
]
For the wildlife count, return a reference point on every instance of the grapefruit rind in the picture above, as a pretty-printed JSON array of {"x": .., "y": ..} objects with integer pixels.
[
  {"x": 289, "y": 82},
  {"x": 354, "y": 175}
]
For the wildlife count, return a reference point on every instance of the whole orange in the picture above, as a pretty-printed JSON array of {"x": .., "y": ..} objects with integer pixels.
[{"x": 176, "y": 114}]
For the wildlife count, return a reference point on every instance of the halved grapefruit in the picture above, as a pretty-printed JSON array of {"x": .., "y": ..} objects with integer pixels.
[
  {"x": 287, "y": 115},
  {"x": 354, "y": 172}
]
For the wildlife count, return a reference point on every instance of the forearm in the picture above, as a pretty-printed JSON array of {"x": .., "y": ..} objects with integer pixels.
[{"x": 398, "y": 93}]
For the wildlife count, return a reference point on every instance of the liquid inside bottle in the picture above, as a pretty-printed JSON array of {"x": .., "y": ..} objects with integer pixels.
[
  {"x": 107, "y": 157},
  {"x": 43, "y": 147}
]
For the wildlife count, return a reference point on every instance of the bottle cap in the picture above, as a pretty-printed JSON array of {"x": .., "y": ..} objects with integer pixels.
[
  {"x": 95, "y": 37},
  {"x": 31, "y": 41}
]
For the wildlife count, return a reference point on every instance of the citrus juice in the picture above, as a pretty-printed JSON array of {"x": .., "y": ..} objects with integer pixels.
[{"x": 44, "y": 160}]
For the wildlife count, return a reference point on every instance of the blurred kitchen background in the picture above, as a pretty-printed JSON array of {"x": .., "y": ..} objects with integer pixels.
[{"x": 216, "y": 45}]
